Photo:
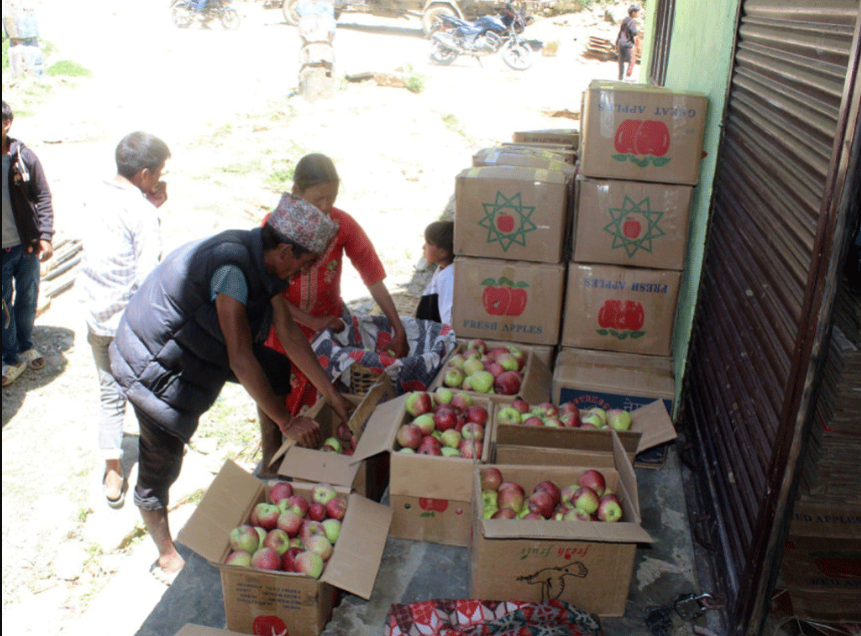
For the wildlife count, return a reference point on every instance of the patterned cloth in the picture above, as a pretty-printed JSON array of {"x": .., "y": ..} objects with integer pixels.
[
  {"x": 301, "y": 222},
  {"x": 490, "y": 618},
  {"x": 365, "y": 341}
]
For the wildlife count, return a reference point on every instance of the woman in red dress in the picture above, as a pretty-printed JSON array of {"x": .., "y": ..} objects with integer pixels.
[{"x": 314, "y": 296}]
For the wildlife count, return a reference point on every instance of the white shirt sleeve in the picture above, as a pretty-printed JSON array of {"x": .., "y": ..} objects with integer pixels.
[{"x": 445, "y": 287}]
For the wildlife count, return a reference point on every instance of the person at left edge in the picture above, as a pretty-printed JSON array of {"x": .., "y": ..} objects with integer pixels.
[{"x": 199, "y": 320}]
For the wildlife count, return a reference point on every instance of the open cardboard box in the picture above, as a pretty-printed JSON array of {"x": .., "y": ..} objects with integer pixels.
[
  {"x": 543, "y": 445},
  {"x": 566, "y": 137},
  {"x": 302, "y": 603},
  {"x": 368, "y": 477},
  {"x": 585, "y": 563},
  {"x": 535, "y": 388},
  {"x": 545, "y": 353},
  {"x": 430, "y": 495}
]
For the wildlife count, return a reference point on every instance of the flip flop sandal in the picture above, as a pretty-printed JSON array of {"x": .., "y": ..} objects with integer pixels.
[
  {"x": 12, "y": 372},
  {"x": 33, "y": 358},
  {"x": 161, "y": 576},
  {"x": 119, "y": 501}
]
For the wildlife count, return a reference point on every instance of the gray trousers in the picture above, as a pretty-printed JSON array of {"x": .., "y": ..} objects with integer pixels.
[{"x": 112, "y": 401}]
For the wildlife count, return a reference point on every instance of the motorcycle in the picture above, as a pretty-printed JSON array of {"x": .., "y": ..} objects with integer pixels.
[
  {"x": 489, "y": 34},
  {"x": 183, "y": 13}
]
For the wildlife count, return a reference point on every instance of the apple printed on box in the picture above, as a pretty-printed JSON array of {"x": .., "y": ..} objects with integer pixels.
[
  {"x": 644, "y": 133},
  {"x": 515, "y": 301},
  {"x": 512, "y": 212}
]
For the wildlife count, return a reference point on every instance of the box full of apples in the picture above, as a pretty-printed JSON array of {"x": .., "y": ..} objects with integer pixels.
[
  {"x": 545, "y": 532},
  {"x": 350, "y": 454},
  {"x": 282, "y": 549},
  {"x": 549, "y": 433},
  {"x": 433, "y": 441},
  {"x": 502, "y": 372}
]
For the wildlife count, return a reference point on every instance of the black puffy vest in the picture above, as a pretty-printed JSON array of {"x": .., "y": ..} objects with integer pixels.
[{"x": 169, "y": 354}]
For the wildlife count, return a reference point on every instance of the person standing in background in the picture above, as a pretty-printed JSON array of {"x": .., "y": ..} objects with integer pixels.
[
  {"x": 121, "y": 246},
  {"x": 28, "y": 230},
  {"x": 625, "y": 42}
]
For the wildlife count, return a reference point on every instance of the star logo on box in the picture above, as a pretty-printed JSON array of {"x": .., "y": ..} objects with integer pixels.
[
  {"x": 634, "y": 226},
  {"x": 507, "y": 221}
]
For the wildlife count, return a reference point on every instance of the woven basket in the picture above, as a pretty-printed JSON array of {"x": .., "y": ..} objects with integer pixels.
[{"x": 361, "y": 379}]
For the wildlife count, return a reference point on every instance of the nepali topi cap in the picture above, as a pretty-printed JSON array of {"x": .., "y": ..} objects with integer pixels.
[{"x": 302, "y": 223}]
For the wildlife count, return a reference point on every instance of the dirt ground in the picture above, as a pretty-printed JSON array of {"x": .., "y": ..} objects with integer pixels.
[{"x": 223, "y": 102}]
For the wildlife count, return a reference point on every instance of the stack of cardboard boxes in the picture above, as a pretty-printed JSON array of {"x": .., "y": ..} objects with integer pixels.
[
  {"x": 513, "y": 212},
  {"x": 639, "y": 160}
]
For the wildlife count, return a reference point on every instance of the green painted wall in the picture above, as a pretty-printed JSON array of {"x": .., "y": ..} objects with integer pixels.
[{"x": 701, "y": 50}]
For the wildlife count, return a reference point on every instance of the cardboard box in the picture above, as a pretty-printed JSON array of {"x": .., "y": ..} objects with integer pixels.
[
  {"x": 612, "y": 380},
  {"x": 585, "y": 563},
  {"x": 535, "y": 387},
  {"x": 302, "y": 603},
  {"x": 631, "y": 223},
  {"x": 368, "y": 477},
  {"x": 614, "y": 308},
  {"x": 562, "y": 136},
  {"x": 525, "y": 157},
  {"x": 190, "y": 629},
  {"x": 507, "y": 300},
  {"x": 642, "y": 133},
  {"x": 568, "y": 153},
  {"x": 511, "y": 212},
  {"x": 549, "y": 446},
  {"x": 823, "y": 549},
  {"x": 430, "y": 495},
  {"x": 825, "y": 605}
]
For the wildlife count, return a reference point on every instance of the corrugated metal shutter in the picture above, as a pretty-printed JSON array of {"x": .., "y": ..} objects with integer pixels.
[{"x": 762, "y": 287}]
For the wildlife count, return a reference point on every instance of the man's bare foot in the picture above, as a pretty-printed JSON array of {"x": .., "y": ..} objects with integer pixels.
[
  {"x": 113, "y": 482},
  {"x": 166, "y": 568}
]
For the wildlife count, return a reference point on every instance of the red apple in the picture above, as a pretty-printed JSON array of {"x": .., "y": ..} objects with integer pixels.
[
  {"x": 594, "y": 480},
  {"x": 278, "y": 540},
  {"x": 288, "y": 559},
  {"x": 336, "y": 508},
  {"x": 533, "y": 420},
  {"x": 309, "y": 564},
  {"x": 297, "y": 503},
  {"x": 552, "y": 489},
  {"x": 586, "y": 500},
  {"x": 476, "y": 414},
  {"x": 570, "y": 420},
  {"x": 290, "y": 521},
  {"x": 507, "y": 383},
  {"x": 316, "y": 511},
  {"x": 310, "y": 528},
  {"x": 541, "y": 502},
  {"x": 609, "y": 508},
  {"x": 319, "y": 544},
  {"x": 445, "y": 418},
  {"x": 504, "y": 513},
  {"x": 409, "y": 436},
  {"x": 266, "y": 559},
  {"x": 491, "y": 478},
  {"x": 575, "y": 514},
  {"x": 418, "y": 402},
  {"x": 510, "y": 498},
  {"x": 521, "y": 405},
  {"x": 461, "y": 401},
  {"x": 471, "y": 430},
  {"x": 322, "y": 492},
  {"x": 470, "y": 449},
  {"x": 267, "y": 515},
  {"x": 241, "y": 558},
  {"x": 280, "y": 490}
]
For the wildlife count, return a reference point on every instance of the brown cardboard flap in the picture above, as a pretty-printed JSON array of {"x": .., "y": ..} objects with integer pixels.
[
  {"x": 618, "y": 532},
  {"x": 226, "y": 504},
  {"x": 655, "y": 425},
  {"x": 359, "y": 549},
  {"x": 381, "y": 429},
  {"x": 310, "y": 464},
  {"x": 433, "y": 476},
  {"x": 537, "y": 380},
  {"x": 382, "y": 391},
  {"x": 627, "y": 478}
]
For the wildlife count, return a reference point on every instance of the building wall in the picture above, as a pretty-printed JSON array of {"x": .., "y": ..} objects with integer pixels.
[{"x": 700, "y": 60}]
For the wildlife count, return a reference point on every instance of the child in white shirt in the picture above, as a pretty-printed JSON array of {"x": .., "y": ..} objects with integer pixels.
[{"x": 435, "y": 303}]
